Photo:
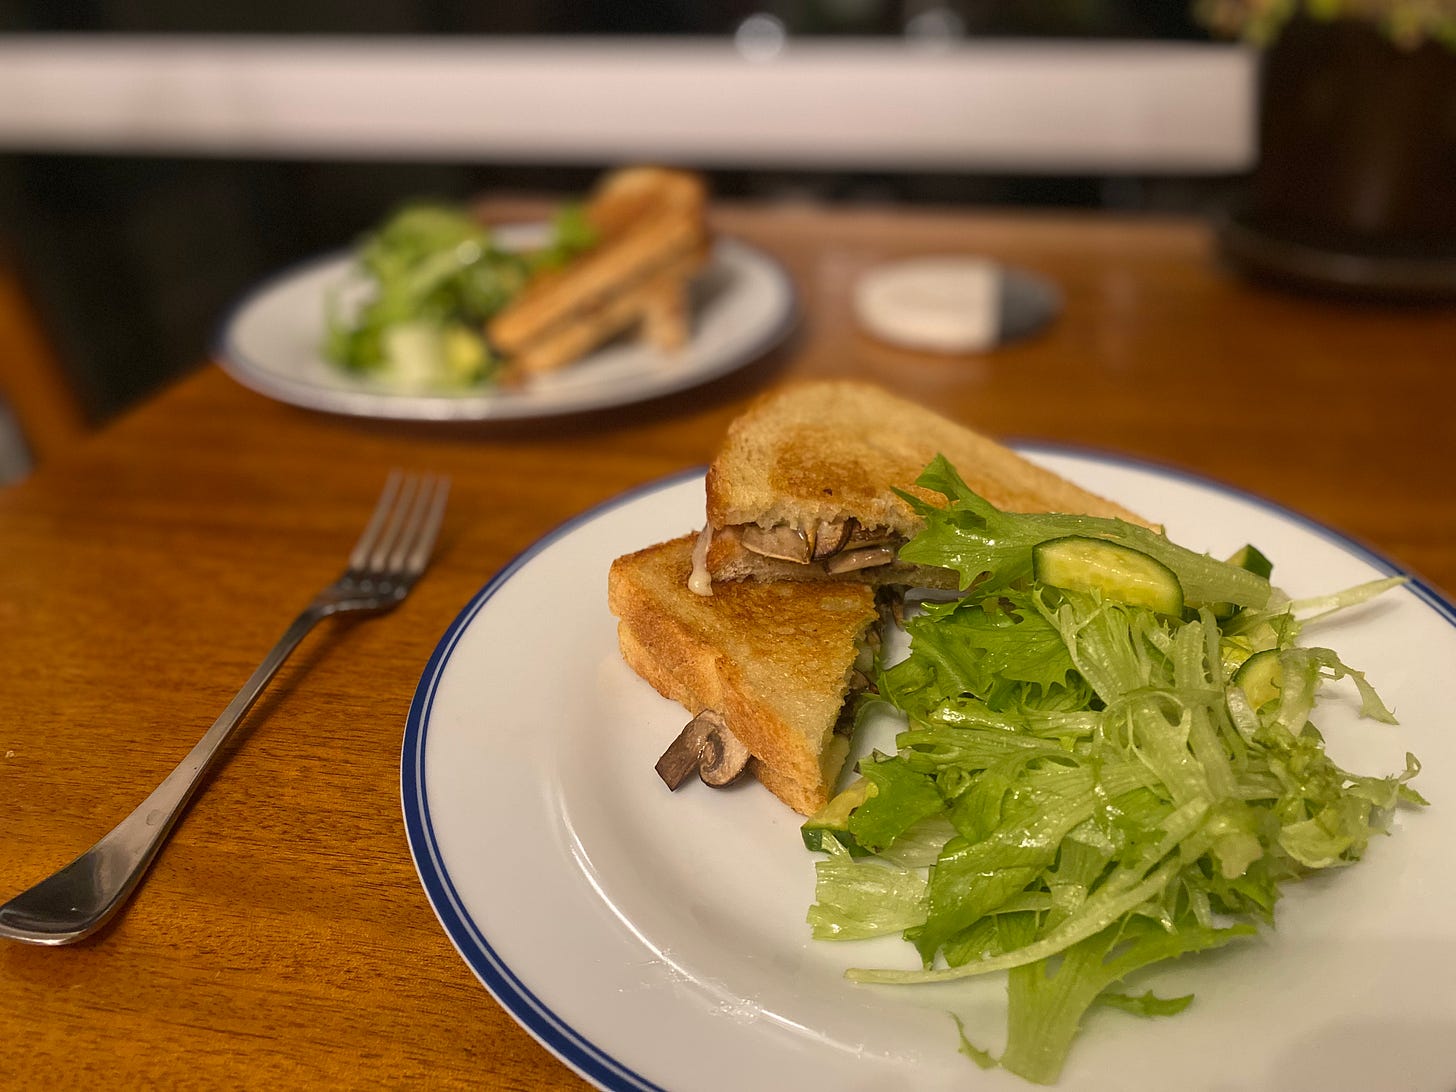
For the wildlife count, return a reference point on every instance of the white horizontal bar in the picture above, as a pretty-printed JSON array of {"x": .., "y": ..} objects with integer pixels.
[{"x": 879, "y": 104}]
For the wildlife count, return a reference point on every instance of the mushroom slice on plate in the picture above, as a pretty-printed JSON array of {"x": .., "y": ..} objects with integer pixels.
[{"x": 706, "y": 745}]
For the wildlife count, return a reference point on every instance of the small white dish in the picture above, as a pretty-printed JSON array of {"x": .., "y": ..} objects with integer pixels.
[
  {"x": 657, "y": 940},
  {"x": 743, "y": 306},
  {"x": 952, "y": 303}
]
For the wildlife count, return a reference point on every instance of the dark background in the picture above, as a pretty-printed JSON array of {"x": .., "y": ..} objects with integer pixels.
[{"x": 132, "y": 262}]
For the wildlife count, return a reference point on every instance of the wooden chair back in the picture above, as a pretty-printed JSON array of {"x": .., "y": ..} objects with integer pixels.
[{"x": 33, "y": 382}]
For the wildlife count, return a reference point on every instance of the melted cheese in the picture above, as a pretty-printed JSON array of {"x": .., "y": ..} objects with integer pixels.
[{"x": 699, "y": 581}]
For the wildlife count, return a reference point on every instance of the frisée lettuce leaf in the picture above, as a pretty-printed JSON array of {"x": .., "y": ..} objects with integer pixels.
[
  {"x": 979, "y": 541},
  {"x": 1089, "y": 786}
]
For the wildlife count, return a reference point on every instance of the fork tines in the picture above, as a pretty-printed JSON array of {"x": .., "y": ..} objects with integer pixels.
[{"x": 401, "y": 532}]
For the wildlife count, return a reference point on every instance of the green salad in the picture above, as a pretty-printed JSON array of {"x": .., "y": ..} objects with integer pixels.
[
  {"x": 434, "y": 276},
  {"x": 1108, "y": 761}
]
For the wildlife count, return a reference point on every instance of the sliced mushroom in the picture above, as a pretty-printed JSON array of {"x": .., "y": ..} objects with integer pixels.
[
  {"x": 683, "y": 755},
  {"x": 854, "y": 560},
  {"x": 724, "y": 758},
  {"x": 831, "y": 536},
  {"x": 861, "y": 537},
  {"x": 783, "y": 542},
  {"x": 706, "y": 745}
]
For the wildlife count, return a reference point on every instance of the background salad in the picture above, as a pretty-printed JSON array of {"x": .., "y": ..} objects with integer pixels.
[{"x": 435, "y": 276}]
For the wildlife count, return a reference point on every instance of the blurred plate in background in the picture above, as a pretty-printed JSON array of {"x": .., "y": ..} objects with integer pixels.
[{"x": 743, "y": 306}]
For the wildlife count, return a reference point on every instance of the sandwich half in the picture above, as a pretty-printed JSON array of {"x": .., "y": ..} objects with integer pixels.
[
  {"x": 804, "y": 487},
  {"x": 779, "y": 664},
  {"x": 651, "y": 235}
]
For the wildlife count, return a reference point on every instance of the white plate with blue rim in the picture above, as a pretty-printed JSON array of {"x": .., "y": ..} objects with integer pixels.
[
  {"x": 658, "y": 940},
  {"x": 742, "y": 306}
]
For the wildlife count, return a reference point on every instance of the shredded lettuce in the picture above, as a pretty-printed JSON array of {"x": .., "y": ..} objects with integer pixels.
[
  {"x": 1083, "y": 787},
  {"x": 855, "y": 903}
]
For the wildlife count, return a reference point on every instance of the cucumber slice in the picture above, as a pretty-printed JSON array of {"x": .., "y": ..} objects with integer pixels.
[
  {"x": 1251, "y": 560},
  {"x": 1235, "y": 649},
  {"x": 832, "y": 820},
  {"x": 1261, "y": 677},
  {"x": 1118, "y": 572}
]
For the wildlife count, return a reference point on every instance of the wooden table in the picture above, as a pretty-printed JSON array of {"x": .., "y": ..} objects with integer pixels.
[{"x": 283, "y": 937}]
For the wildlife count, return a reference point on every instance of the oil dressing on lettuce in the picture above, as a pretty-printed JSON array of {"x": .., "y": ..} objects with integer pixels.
[{"x": 1086, "y": 787}]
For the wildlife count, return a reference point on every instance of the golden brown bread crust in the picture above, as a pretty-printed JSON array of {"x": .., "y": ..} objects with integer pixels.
[
  {"x": 773, "y": 659},
  {"x": 825, "y": 450},
  {"x": 645, "y": 219}
]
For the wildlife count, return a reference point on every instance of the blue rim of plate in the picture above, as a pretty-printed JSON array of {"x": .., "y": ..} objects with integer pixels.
[
  {"x": 587, "y": 1058},
  {"x": 557, "y": 1036},
  {"x": 464, "y": 407}
]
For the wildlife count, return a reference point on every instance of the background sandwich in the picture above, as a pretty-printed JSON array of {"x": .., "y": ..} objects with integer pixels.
[{"x": 651, "y": 236}]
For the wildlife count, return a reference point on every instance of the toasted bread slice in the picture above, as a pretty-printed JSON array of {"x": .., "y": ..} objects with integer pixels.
[
  {"x": 624, "y": 196},
  {"x": 667, "y": 315},
  {"x": 610, "y": 317},
  {"x": 775, "y": 660},
  {"x": 645, "y": 219},
  {"x": 817, "y": 454}
]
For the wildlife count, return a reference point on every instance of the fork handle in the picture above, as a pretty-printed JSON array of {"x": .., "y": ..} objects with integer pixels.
[{"x": 77, "y": 900}]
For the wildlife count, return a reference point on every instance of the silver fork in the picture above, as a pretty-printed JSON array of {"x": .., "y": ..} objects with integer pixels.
[{"x": 389, "y": 557}]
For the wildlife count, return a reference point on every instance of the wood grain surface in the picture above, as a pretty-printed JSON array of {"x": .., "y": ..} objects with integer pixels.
[{"x": 283, "y": 937}]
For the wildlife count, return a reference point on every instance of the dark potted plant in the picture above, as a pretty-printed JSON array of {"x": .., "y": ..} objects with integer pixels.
[{"x": 1355, "y": 188}]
